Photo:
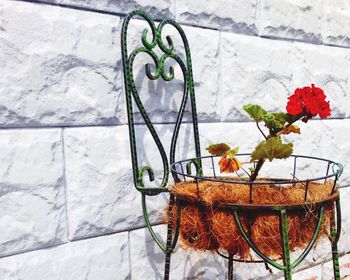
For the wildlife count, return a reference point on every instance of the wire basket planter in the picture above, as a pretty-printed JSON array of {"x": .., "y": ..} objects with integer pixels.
[{"x": 260, "y": 221}]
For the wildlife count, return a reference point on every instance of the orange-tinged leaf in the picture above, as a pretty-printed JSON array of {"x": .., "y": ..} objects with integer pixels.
[
  {"x": 229, "y": 165},
  {"x": 292, "y": 128},
  {"x": 218, "y": 149}
]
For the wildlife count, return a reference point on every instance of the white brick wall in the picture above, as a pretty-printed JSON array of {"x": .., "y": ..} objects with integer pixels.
[{"x": 68, "y": 206}]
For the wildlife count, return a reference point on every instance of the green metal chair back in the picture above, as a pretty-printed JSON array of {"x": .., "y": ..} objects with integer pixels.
[{"x": 168, "y": 51}]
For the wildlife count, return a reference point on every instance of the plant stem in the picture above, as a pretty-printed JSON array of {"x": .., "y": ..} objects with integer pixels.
[
  {"x": 261, "y": 161},
  {"x": 238, "y": 175},
  {"x": 257, "y": 124},
  {"x": 257, "y": 169},
  {"x": 298, "y": 117},
  {"x": 245, "y": 171}
]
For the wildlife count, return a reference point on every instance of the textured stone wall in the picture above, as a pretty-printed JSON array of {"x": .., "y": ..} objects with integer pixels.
[{"x": 67, "y": 202}]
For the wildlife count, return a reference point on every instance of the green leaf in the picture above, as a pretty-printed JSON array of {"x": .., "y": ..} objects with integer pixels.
[
  {"x": 251, "y": 169},
  {"x": 275, "y": 121},
  {"x": 218, "y": 149},
  {"x": 233, "y": 152},
  {"x": 272, "y": 148},
  {"x": 256, "y": 112},
  {"x": 280, "y": 117}
]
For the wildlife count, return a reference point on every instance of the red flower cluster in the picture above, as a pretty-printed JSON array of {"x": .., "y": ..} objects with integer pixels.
[{"x": 309, "y": 101}]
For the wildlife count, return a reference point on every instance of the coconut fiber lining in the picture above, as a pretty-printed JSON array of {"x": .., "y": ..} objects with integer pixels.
[{"x": 204, "y": 226}]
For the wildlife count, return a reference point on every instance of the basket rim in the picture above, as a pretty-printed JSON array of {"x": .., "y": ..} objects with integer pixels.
[
  {"x": 194, "y": 161},
  {"x": 253, "y": 207}
]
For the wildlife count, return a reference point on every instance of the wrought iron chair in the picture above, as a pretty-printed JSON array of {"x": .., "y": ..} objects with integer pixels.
[
  {"x": 132, "y": 94},
  {"x": 167, "y": 74}
]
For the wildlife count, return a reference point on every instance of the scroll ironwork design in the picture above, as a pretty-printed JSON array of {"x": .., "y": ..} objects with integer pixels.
[{"x": 167, "y": 74}]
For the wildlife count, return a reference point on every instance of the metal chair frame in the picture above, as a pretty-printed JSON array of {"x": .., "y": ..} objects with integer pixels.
[{"x": 167, "y": 74}]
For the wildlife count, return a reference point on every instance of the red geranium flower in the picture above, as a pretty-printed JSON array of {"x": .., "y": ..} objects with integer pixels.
[{"x": 310, "y": 102}]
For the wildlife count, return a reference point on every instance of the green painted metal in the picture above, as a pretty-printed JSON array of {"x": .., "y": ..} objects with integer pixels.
[
  {"x": 335, "y": 257},
  {"x": 168, "y": 49},
  {"x": 340, "y": 168},
  {"x": 168, "y": 250},
  {"x": 230, "y": 268},
  {"x": 287, "y": 265},
  {"x": 313, "y": 240},
  {"x": 197, "y": 165},
  {"x": 252, "y": 245},
  {"x": 171, "y": 238},
  {"x": 335, "y": 228},
  {"x": 285, "y": 245},
  {"x": 148, "y": 47},
  {"x": 177, "y": 227},
  {"x": 149, "y": 225}
]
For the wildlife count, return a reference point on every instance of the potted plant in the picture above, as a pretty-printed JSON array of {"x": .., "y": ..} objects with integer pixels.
[{"x": 239, "y": 213}]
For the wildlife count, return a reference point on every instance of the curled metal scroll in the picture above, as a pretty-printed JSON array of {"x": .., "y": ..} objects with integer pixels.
[
  {"x": 196, "y": 165},
  {"x": 167, "y": 74}
]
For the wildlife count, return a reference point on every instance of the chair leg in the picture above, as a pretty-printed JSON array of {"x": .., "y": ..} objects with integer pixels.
[
  {"x": 230, "y": 268},
  {"x": 169, "y": 239},
  {"x": 285, "y": 245},
  {"x": 167, "y": 266},
  {"x": 335, "y": 232},
  {"x": 335, "y": 257}
]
